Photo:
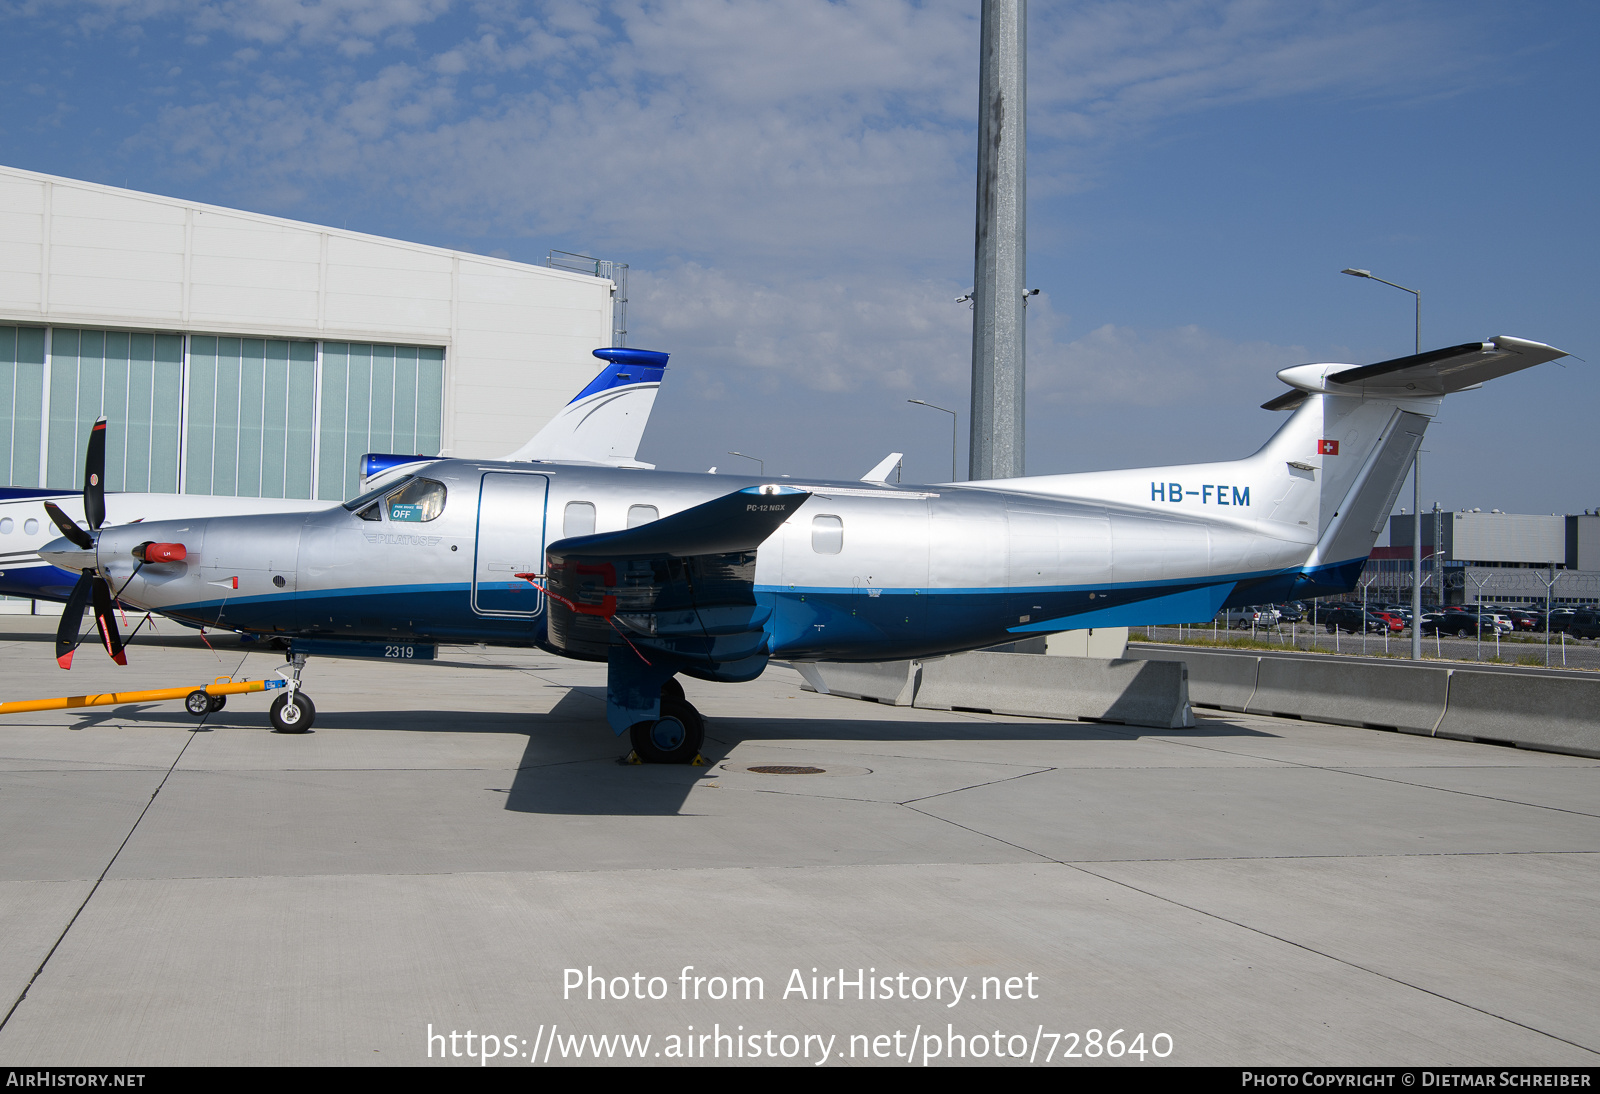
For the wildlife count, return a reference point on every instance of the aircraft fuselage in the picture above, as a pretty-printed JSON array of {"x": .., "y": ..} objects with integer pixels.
[{"x": 862, "y": 571}]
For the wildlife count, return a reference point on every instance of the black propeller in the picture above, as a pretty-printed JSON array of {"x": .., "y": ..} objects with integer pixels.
[{"x": 91, "y": 586}]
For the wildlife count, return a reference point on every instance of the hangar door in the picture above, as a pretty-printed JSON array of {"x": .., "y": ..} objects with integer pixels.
[{"x": 510, "y": 542}]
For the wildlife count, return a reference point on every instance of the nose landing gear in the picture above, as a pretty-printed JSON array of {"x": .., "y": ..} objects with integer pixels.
[{"x": 293, "y": 711}]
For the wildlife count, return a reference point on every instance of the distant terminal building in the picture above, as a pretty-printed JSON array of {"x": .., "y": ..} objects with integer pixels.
[
  {"x": 247, "y": 355},
  {"x": 1472, "y": 557}
]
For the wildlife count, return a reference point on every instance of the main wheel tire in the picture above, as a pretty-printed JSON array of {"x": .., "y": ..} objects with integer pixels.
[
  {"x": 674, "y": 738},
  {"x": 293, "y": 717},
  {"x": 198, "y": 703},
  {"x": 218, "y": 702}
]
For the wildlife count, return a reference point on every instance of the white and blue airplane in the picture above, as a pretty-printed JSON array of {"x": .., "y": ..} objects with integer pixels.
[
  {"x": 602, "y": 426},
  {"x": 712, "y": 576}
]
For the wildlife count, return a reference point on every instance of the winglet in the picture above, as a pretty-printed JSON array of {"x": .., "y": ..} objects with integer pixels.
[{"x": 881, "y": 472}]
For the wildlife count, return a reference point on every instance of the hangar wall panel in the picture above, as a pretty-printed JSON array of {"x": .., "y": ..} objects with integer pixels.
[
  {"x": 135, "y": 380},
  {"x": 250, "y": 409},
  {"x": 22, "y": 393}
]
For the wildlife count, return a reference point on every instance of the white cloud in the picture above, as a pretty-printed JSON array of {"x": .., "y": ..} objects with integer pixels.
[
  {"x": 795, "y": 131},
  {"x": 831, "y": 334}
]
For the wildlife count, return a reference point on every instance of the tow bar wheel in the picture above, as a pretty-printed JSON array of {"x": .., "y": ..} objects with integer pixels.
[{"x": 198, "y": 703}]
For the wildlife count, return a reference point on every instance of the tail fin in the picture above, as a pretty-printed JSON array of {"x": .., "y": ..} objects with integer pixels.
[
  {"x": 1309, "y": 505},
  {"x": 605, "y": 422},
  {"x": 1369, "y": 422}
]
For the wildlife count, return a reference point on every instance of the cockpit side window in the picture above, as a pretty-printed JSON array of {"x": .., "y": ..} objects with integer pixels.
[{"x": 418, "y": 501}]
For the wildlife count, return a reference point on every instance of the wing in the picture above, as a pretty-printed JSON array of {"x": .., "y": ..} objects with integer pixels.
[{"x": 681, "y": 588}]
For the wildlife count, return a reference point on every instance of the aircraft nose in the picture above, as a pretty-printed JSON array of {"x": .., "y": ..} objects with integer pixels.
[{"x": 67, "y": 555}]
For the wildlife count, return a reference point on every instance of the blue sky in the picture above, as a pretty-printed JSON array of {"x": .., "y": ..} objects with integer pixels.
[{"x": 792, "y": 184}]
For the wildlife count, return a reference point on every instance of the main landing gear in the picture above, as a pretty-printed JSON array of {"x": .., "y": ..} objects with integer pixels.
[
  {"x": 293, "y": 711},
  {"x": 676, "y": 736}
]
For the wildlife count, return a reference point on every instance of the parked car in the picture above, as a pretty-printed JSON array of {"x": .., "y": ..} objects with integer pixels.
[
  {"x": 1397, "y": 622},
  {"x": 1585, "y": 623},
  {"x": 1459, "y": 624},
  {"x": 1256, "y": 616},
  {"x": 1355, "y": 621}
]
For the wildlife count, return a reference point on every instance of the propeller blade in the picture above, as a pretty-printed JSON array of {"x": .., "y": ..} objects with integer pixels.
[
  {"x": 107, "y": 620},
  {"x": 72, "y": 619},
  {"x": 69, "y": 528},
  {"x": 94, "y": 477}
]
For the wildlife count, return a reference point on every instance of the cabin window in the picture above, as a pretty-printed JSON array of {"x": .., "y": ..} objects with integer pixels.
[
  {"x": 417, "y": 501},
  {"x": 642, "y": 514},
  {"x": 827, "y": 534},
  {"x": 30, "y": 527},
  {"x": 5, "y": 526},
  {"x": 579, "y": 519}
]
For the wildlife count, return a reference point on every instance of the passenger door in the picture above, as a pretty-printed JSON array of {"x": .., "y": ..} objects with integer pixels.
[{"x": 510, "y": 541}]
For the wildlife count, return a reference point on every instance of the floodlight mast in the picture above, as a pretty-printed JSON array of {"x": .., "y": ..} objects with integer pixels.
[{"x": 1000, "y": 258}]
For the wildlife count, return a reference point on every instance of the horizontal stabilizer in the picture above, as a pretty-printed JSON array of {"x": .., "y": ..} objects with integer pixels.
[
  {"x": 1422, "y": 375},
  {"x": 1457, "y": 368},
  {"x": 740, "y": 521}
]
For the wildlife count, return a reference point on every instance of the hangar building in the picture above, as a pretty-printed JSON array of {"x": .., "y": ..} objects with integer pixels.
[{"x": 241, "y": 354}]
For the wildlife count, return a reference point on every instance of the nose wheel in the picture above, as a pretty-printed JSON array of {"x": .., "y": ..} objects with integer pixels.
[
  {"x": 674, "y": 738},
  {"x": 293, "y": 711}
]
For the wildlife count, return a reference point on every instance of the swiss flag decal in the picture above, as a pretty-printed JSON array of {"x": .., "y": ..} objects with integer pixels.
[{"x": 1327, "y": 448}]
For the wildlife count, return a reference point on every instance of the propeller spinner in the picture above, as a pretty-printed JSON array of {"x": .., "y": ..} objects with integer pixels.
[{"x": 91, "y": 585}]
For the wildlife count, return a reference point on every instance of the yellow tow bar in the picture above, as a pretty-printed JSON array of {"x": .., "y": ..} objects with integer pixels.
[{"x": 222, "y": 685}]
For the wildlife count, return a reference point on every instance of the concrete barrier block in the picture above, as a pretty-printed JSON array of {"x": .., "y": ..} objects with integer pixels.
[
  {"x": 892, "y": 682},
  {"x": 1405, "y": 697},
  {"x": 1551, "y": 713},
  {"x": 1217, "y": 678},
  {"x": 1135, "y": 693}
]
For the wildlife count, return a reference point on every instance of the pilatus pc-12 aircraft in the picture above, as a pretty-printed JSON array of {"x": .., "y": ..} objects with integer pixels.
[{"x": 660, "y": 573}]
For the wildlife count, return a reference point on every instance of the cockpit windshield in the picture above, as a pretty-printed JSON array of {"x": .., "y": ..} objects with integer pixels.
[{"x": 418, "y": 500}]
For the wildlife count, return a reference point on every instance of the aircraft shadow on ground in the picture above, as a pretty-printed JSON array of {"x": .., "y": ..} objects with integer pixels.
[
  {"x": 574, "y": 765},
  {"x": 550, "y": 781}
]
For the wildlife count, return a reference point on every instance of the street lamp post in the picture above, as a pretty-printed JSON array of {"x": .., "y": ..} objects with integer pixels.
[
  {"x": 1416, "y": 484},
  {"x": 760, "y": 463},
  {"x": 953, "y": 419}
]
